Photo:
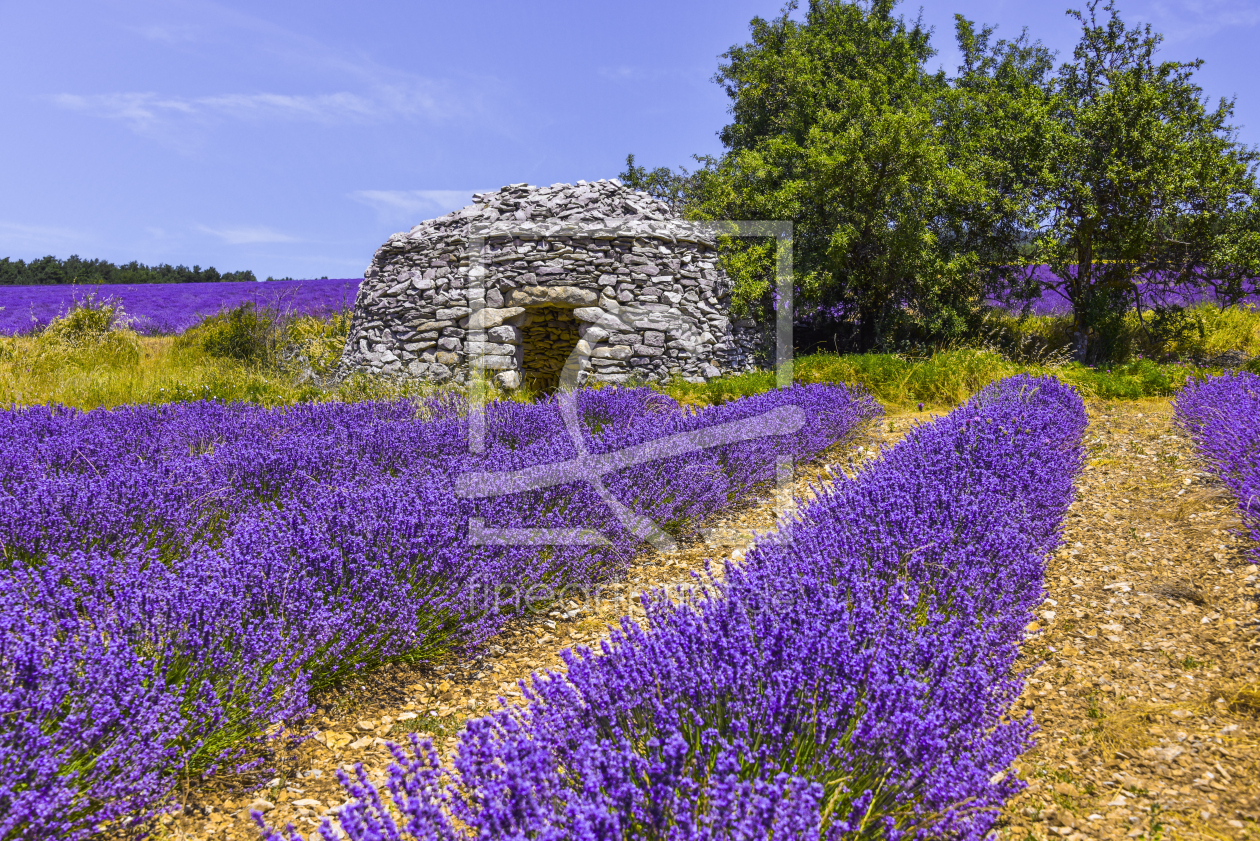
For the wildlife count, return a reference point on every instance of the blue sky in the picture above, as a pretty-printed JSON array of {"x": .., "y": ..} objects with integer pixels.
[{"x": 292, "y": 138}]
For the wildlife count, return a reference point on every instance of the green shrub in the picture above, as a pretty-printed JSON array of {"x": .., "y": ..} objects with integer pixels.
[
  {"x": 93, "y": 334},
  {"x": 1129, "y": 381},
  {"x": 943, "y": 379},
  {"x": 246, "y": 333},
  {"x": 89, "y": 321},
  {"x": 313, "y": 345}
]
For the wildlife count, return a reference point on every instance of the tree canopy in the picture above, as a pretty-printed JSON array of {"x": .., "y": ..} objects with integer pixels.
[
  {"x": 52, "y": 271},
  {"x": 917, "y": 196},
  {"x": 1143, "y": 185}
]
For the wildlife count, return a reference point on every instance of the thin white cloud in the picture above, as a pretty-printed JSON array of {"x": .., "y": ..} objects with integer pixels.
[
  {"x": 140, "y": 110},
  {"x": 358, "y": 89},
  {"x": 622, "y": 73},
  {"x": 18, "y": 238},
  {"x": 1188, "y": 20},
  {"x": 247, "y": 235},
  {"x": 147, "y": 111},
  {"x": 166, "y": 33},
  {"x": 408, "y": 204}
]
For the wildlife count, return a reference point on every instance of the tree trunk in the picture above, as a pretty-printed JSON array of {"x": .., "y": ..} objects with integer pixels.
[
  {"x": 868, "y": 328},
  {"x": 1080, "y": 344}
]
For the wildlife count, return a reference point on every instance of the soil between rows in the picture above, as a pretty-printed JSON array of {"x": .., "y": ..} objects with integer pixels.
[
  {"x": 1145, "y": 681},
  {"x": 1144, "y": 661}
]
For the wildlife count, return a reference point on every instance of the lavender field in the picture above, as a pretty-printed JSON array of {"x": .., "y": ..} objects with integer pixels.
[
  {"x": 852, "y": 678},
  {"x": 179, "y": 580},
  {"x": 156, "y": 308},
  {"x": 1052, "y": 302}
]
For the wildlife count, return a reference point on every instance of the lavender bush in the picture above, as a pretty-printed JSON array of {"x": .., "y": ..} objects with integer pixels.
[
  {"x": 176, "y": 580},
  {"x": 852, "y": 679},
  {"x": 1222, "y": 415},
  {"x": 172, "y": 307}
]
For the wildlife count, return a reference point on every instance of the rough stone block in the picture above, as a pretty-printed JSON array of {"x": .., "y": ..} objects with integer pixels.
[
  {"x": 488, "y": 349},
  {"x": 600, "y": 318},
  {"x": 508, "y": 379},
  {"x": 491, "y": 317},
  {"x": 533, "y": 296},
  {"x": 505, "y": 333},
  {"x": 592, "y": 333},
  {"x": 611, "y": 352},
  {"x": 494, "y": 363}
]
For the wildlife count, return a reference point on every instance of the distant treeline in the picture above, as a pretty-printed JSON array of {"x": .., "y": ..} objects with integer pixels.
[{"x": 49, "y": 271}]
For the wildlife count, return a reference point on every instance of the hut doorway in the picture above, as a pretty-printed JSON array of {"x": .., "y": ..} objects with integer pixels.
[{"x": 549, "y": 335}]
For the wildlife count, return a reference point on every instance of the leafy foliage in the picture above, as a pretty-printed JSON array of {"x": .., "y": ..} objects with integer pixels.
[
  {"x": 836, "y": 127},
  {"x": 51, "y": 270},
  {"x": 246, "y": 333},
  {"x": 92, "y": 335},
  {"x": 915, "y": 195},
  {"x": 1139, "y": 180}
]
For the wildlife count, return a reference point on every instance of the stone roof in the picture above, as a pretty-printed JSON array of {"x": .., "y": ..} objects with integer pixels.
[{"x": 584, "y": 208}]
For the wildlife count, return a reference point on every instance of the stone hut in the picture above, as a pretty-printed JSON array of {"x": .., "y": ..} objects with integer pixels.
[{"x": 551, "y": 286}]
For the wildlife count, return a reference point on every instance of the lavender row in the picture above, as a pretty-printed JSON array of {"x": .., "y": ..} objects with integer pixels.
[
  {"x": 178, "y": 580},
  {"x": 853, "y": 678},
  {"x": 1222, "y": 415}
]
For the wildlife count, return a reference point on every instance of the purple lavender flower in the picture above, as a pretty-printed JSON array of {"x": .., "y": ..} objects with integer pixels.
[
  {"x": 179, "y": 577},
  {"x": 852, "y": 678},
  {"x": 1222, "y": 415},
  {"x": 173, "y": 307}
]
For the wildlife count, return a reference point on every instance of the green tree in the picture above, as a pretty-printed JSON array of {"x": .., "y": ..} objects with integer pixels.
[
  {"x": 1143, "y": 185},
  {"x": 838, "y": 126},
  {"x": 74, "y": 269},
  {"x": 674, "y": 188},
  {"x": 995, "y": 117}
]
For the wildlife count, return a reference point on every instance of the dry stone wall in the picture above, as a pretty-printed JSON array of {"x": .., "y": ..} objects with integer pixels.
[{"x": 550, "y": 285}]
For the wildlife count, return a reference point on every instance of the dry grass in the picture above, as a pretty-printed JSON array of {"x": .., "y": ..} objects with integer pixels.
[{"x": 1201, "y": 331}]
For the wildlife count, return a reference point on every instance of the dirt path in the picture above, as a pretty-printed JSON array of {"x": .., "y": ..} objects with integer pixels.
[{"x": 1146, "y": 687}]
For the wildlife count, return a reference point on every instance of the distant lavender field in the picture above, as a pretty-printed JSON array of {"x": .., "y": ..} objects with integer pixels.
[
  {"x": 1052, "y": 303},
  {"x": 172, "y": 307}
]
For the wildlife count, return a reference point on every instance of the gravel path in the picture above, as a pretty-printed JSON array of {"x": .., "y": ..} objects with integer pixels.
[{"x": 1144, "y": 661}]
